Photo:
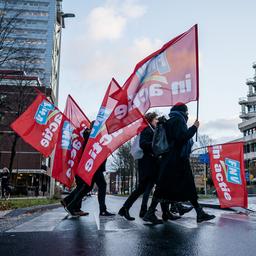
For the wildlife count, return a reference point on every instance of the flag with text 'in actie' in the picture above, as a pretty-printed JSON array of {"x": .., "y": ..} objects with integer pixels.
[
  {"x": 228, "y": 174},
  {"x": 101, "y": 143},
  {"x": 69, "y": 147},
  {"x": 39, "y": 125},
  {"x": 165, "y": 77}
]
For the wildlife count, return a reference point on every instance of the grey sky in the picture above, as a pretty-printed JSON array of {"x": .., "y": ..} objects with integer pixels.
[{"x": 108, "y": 38}]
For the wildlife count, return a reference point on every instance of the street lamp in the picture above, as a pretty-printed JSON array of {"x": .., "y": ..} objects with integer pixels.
[{"x": 66, "y": 15}]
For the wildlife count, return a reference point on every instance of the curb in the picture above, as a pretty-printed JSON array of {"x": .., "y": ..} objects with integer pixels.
[{"x": 32, "y": 209}]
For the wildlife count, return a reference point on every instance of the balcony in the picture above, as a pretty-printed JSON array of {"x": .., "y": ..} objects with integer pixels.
[
  {"x": 247, "y": 124},
  {"x": 242, "y": 100},
  {"x": 251, "y": 137},
  {"x": 250, "y": 155},
  {"x": 251, "y": 98},
  {"x": 248, "y": 115},
  {"x": 251, "y": 81}
]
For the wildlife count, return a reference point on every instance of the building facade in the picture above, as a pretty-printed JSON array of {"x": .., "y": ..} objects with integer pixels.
[
  {"x": 248, "y": 125},
  {"x": 30, "y": 37},
  {"x": 36, "y": 31}
]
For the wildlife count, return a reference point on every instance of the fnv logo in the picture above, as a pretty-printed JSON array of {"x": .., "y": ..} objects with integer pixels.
[
  {"x": 233, "y": 171},
  {"x": 102, "y": 116},
  {"x": 43, "y": 112}
]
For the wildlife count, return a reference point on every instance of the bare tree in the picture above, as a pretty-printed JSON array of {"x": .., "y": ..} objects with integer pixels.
[
  {"x": 202, "y": 143},
  {"x": 9, "y": 22},
  {"x": 18, "y": 92},
  {"x": 124, "y": 164}
]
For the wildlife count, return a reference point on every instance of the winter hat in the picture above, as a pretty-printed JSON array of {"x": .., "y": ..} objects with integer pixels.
[{"x": 179, "y": 106}]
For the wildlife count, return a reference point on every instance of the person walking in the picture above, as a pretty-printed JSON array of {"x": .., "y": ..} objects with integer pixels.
[
  {"x": 5, "y": 175},
  {"x": 73, "y": 202},
  {"x": 148, "y": 172},
  {"x": 176, "y": 181}
]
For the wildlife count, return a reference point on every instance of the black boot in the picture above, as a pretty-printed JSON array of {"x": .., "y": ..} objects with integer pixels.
[
  {"x": 151, "y": 217},
  {"x": 124, "y": 212},
  {"x": 143, "y": 212},
  {"x": 174, "y": 208},
  {"x": 183, "y": 209},
  {"x": 203, "y": 216},
  {"x": 106, "y": 214},
  {"x": 169, "y": 216}
]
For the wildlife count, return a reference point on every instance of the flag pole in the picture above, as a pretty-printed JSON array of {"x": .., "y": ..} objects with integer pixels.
[{"x": 197, "y": 74}]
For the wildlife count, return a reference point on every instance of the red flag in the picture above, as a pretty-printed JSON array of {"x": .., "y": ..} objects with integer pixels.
[
  {"x": 167, "y": 76},
  {"x": 74, "y": 113},
  {"x": 228, "y": 174},
  {"x": 39, "y": 125},
  {"x": 69, "y": 147},
  {"x": 101, "y": 144}
]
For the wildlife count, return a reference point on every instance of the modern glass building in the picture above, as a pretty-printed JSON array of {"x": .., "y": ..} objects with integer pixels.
[
  {"x": 36, "y": 32},
  {"x": 30, "y": 38}
]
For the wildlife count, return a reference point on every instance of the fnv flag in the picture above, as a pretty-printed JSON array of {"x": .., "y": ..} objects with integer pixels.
[
  {"x": 101, "y": 143},
  {"x": 39, "y": 125},
  {"x": 165, "y": 77},
  {"x": 69, "y": 147},
  {"x": 228, "y": 174}
]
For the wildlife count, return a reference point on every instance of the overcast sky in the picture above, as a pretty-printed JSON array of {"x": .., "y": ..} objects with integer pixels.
[{"x": 107, "y": 38}]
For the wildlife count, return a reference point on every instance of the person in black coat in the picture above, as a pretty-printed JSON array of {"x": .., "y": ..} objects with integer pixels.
[
  {"x": 176, "y": 181},
  {"x": 148, "y": 172},
  {"x": 5, "y": 175},
  {"x": 73, "y": 202}
]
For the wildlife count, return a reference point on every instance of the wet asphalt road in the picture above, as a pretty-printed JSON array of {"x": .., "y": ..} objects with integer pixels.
[{"x": 53, "y": 233}]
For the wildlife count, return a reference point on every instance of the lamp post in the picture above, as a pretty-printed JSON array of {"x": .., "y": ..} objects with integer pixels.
[{"x": 61, "y": 20}]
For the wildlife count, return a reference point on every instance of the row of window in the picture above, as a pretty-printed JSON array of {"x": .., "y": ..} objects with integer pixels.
[
  {"x": 250, "y": 148},
  {"x": 29, "y": 31},
  {"x": 25, "y": 22},
  {"x": 249, "y": 131},
  {"x": 33, "y": 13},
  {"x": 251, "y": 108},
  {"x": 26, "y": 3},
  {"x": 25, "y": 41}
]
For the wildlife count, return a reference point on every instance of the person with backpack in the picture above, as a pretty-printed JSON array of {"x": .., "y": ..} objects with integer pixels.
[
  {"x": 148, "y": 172},
  {"x": 176, "y": 181}
]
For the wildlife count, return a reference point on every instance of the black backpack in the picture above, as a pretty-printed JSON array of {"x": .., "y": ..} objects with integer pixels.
[{"x": 160, "y": 144}]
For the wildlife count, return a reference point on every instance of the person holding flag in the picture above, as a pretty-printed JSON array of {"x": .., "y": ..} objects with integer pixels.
[
  {"x": 73, "y": 202},
  {"x": 176, "y": 181},
  {"x": 148, "y": 173}
]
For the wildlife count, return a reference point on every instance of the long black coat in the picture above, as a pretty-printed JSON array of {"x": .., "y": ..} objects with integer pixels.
[
  {"x": 176, "y": 181},
  {"x": 148, "y": 163}
]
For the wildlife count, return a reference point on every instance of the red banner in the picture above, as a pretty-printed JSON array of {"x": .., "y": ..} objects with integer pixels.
[
  {"x": 39, "y": 125},
  {"x": 228, "y": 174},
  {"x": 74, "y": 113},
  {"x": 167, "y": 76},
  {"x": 101, "y": 143},
  {"x": 69, "y": 147}
]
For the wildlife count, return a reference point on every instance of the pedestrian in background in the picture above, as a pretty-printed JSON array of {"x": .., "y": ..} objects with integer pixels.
[{"x": 5, "y": 176}]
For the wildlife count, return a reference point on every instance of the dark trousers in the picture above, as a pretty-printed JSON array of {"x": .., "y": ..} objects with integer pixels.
[
  {"x": 5, "y": 188},
  {"x": 143, "y": 185},
  {"x": 74, "y": 199},
  {"x": 146, "y": 194}
]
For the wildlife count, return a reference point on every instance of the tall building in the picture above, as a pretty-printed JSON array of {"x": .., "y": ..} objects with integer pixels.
[
  {"x": 36, "y": 31},
  {"x": 248, "y": 124},
  {"x": 30, "y": 38}
]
